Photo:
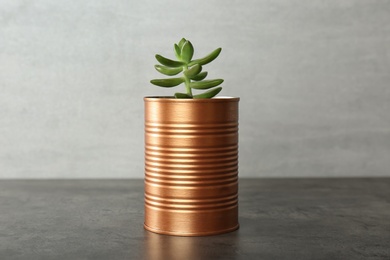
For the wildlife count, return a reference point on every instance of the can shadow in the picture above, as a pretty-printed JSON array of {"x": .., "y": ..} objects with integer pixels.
[{"x": 157, "y": 247}]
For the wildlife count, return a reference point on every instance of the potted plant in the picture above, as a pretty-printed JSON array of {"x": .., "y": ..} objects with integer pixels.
[{"x": 191, "y": 151}]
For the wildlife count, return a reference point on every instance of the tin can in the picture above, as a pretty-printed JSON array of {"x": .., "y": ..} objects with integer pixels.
[{"x": 191, "y": 165}]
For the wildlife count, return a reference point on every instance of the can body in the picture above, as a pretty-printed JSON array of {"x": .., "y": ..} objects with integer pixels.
[{"x": 191, "y": 166}]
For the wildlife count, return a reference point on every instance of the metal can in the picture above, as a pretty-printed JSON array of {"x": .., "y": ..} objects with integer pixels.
[{"x": 191, "y": 165}]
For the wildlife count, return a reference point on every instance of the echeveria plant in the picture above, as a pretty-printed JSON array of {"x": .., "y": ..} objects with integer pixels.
[{"x": 192, "y": 75}]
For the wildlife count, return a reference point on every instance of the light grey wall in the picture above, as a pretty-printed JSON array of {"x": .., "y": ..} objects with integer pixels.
[{"x": 313, "y": 77}]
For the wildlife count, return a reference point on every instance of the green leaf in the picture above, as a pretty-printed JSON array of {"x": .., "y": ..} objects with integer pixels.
[
  {"x": 193, "y": 71},
  {"x": 206, "y": 84},
  {"x": 209, "y": 58},
  {"x": 200, "y": 76},
  {"x": 177, "y": 51},
  {"x": 168, "y": 62},
  {"x": 182, "y": 95},
  {"x": 168, "y": 71},
  {"x": 181, "y": 43},
  {"x": 167, "y": 83},
  {"x": 209, "y": 94},
  {"x": 187, "y": 51}
]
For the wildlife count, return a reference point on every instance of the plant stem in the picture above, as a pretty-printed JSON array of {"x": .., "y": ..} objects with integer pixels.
[{"x": 187, "y": 81}]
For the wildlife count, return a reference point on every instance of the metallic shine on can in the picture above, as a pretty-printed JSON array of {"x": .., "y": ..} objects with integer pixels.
[{"x": 191, "y": 165}]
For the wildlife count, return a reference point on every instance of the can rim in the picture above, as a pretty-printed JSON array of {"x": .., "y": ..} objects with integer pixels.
[
  {"x": 190, "y": 100},
  {"x": 192, "y": 234}
]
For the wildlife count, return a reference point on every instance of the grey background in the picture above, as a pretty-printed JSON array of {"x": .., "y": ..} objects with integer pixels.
[{"x": 313, "y": 77}]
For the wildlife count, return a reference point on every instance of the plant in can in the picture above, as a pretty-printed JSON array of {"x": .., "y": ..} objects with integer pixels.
[{"x": 192, "y": 75}]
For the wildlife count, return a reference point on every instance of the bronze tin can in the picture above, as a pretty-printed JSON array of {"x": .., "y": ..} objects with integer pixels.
[{"x": 191, "y": 166}]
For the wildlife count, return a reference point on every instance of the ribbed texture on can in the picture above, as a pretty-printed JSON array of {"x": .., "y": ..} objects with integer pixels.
[{"x": 191, "y": 166}]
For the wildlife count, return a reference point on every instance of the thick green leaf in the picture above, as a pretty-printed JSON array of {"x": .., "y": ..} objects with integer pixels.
[
  {"x": 209, "y": 94},
  {"x": 177, "y": 51},
  {"x": 181, "y": 43},
  {"x": 193, "y": 71},
  {"x": 187, "y": 51},
  {"x": 168, "y": 71},
  {"x": 182, "y": 95},
  {"x": 206, "y": 84},
  {"x": 169, "y": 62},
  {"x": 200, "y": 76},
  {"x": 167, "y": 83},
  {"x": 209, "y": 58}
]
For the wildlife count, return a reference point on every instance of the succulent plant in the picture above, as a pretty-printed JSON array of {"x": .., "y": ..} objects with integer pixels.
[{"x": 192, "y": 74}]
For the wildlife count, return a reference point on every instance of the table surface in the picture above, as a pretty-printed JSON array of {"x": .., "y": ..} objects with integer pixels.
[{"x": 279, "y": 219}]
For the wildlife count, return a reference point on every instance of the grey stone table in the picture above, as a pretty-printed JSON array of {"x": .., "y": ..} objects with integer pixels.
[{"x": 279, "y": 218}]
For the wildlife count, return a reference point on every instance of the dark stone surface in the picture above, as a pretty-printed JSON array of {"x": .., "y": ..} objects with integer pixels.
[{"x": 280, "y": 219}]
